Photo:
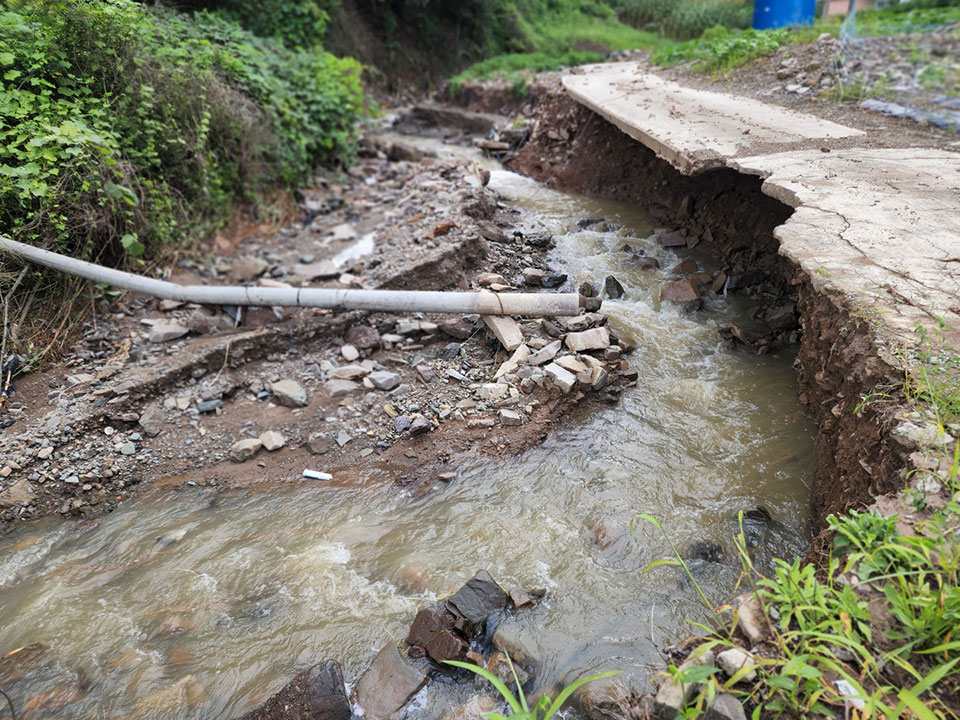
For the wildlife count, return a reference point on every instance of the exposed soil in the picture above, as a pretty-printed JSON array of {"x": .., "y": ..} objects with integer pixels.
[{"x": 121, "y": 411}]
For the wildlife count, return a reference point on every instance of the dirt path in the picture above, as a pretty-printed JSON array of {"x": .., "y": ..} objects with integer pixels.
[{"x": 156, "y": 393}]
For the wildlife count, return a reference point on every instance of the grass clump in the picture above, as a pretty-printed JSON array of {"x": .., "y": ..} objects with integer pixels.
[
  {"x": 543, "y": 36},
  {"x": 873, "y": 634},
  {"x": 721, "y": 50},
  {"x": 545, "y": 707},
  {"x": 685, "y": 19},
  {"x": 908, "y": 17}
]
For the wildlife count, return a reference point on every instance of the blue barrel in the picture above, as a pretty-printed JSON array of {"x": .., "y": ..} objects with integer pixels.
[{"x": 782, "y": 13}]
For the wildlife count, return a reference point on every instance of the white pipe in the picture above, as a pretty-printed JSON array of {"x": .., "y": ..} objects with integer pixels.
[{"x": 401, "y": 301}]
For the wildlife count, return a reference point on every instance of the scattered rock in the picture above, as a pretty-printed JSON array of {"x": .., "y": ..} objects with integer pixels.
[
  {"x": 164, "y": 332},
  {"x": 458, "y": 329},
  {"x": 17, "y": 494},
  {"x": 732, "y": 660},
  {"x": 687, "y": 266},
  {"x": 363, "y": 337},
  {"x": 339, "y": 388},
  {"x": 209, "y": 406},
  {"x": 506, "y": 330},
  {"x": 78, "y": 379},
  {"x": 677, "y": 238},
  {"x": 349, "y": 372},
  {"x": 553, "y": 280},
  {"x": 592, "y": 339},
  {"x": 401, "y": 151},
  {"x": 750, "y": 619},
  {"x": 151, "y": 420},
  {"x": 480, "y": 598},
  {"x": 247, "y": 268},
  {"x": 419, "y": 426},
  {"x": 289, "y": 393},
  {"x": 243, "y": 450},
  {"x": 384, "y": 379},
  {"x": 272, "y": 440},
  {"x": 725, "y": 707},
  {"x": 680, "y": 291},
  {"x": 673, "y": 695},
  {"x": 510, "y": 418},
  {"x": 534, "y": 276},
  {"x": 564, "y": 379},
  {"x": 545, "y": 354},
  {"x": 387, "y": 685},
  {"x": 350, "y": 353},
  {"x": 432, "y": 631}
]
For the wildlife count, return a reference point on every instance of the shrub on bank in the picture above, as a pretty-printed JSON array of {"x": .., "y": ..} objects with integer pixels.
[
  {"x": 124, "y": 127},
  {"x": 684, "y": 19}
]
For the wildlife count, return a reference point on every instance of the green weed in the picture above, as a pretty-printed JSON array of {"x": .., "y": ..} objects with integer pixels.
[
  {"x": 543, "y": 709},
  {"x": 684, "y": 19},
  {"x": 720, "y": 50}
]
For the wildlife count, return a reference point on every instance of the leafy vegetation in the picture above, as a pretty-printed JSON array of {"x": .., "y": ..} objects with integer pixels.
[
  {"x": 721, "y": 50},
  {"x": 871, "y": 635},
  {"x": 684, "y": 19},
  {"x": 126, "y": 129},
  {"x": 908, "y": 17},
  {"x": 544, "y": 709},
  {"x": 551, "y": 35}
]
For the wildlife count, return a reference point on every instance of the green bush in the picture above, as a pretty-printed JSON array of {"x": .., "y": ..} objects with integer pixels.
[
  {"x": 684, "y": 19},
  {"x": 721, "y": 50},
  {"x": 298, "y": 23},
  {"x": 123, "y": 128}
]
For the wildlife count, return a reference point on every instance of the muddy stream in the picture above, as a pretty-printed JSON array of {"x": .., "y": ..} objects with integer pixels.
[{"x": 201, "y": 603}]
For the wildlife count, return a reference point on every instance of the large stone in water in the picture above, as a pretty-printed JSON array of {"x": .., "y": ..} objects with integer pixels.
[
  {"x": 613, "y": 288},
  {"x": 480, "y": 598},
  {"x": 680, "y": 291},
  {"x": 387, "y": 685},
  {"x": 314, "y": 694}
]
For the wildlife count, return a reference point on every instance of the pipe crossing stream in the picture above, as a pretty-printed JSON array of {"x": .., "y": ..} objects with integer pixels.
[{"x": 201, "y": 603}]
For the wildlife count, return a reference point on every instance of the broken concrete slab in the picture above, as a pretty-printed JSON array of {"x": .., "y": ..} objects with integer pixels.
[
  {"x": 597, "y": 338},
  {"x": 877, "y": 227},
  {"x": 693, "y": 130},
  {"x": 506, "y": 330}
]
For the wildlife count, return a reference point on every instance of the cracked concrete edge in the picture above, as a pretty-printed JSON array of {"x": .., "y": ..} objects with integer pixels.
[
  {"x": 687, "y": 163},
  {"x": 694, "y": 130},
  {"x": 848, "y": 237}
]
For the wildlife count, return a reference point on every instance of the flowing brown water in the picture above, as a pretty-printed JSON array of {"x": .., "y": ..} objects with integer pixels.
[{"x": 245, "y": 588}]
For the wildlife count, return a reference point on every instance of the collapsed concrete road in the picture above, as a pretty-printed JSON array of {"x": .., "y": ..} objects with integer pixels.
[{"x": 879, "y": 228}]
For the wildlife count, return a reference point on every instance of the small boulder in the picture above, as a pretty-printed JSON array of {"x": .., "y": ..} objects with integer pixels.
[
  {"x": 384, "y": 379},
  {"x": 613, "y": 288},
  {"x": 272, "y": 440},
  {"x": 151, "y": 420},
  {"x": 680, "y": 291},
  {"x": 478, "y": 599},
  {"x": 243, "y": 450},
  {"x": 165, "y": 332},
  {"x": 734, "y": 659},
  {"x": 339, "y": 388},
  {"x": 289, "y": 393},
  {"x": 363, "y": 337}
]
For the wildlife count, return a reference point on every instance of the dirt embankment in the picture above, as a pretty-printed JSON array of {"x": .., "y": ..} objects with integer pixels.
[
  {"x": 166, "y": 393},
  {"x": 726, "y": 213}
]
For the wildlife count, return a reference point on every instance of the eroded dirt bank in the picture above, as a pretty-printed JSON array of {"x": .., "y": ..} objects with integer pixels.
[
  {"x": 161, "y": 391},
  {"x": 726, "y": 213}
]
